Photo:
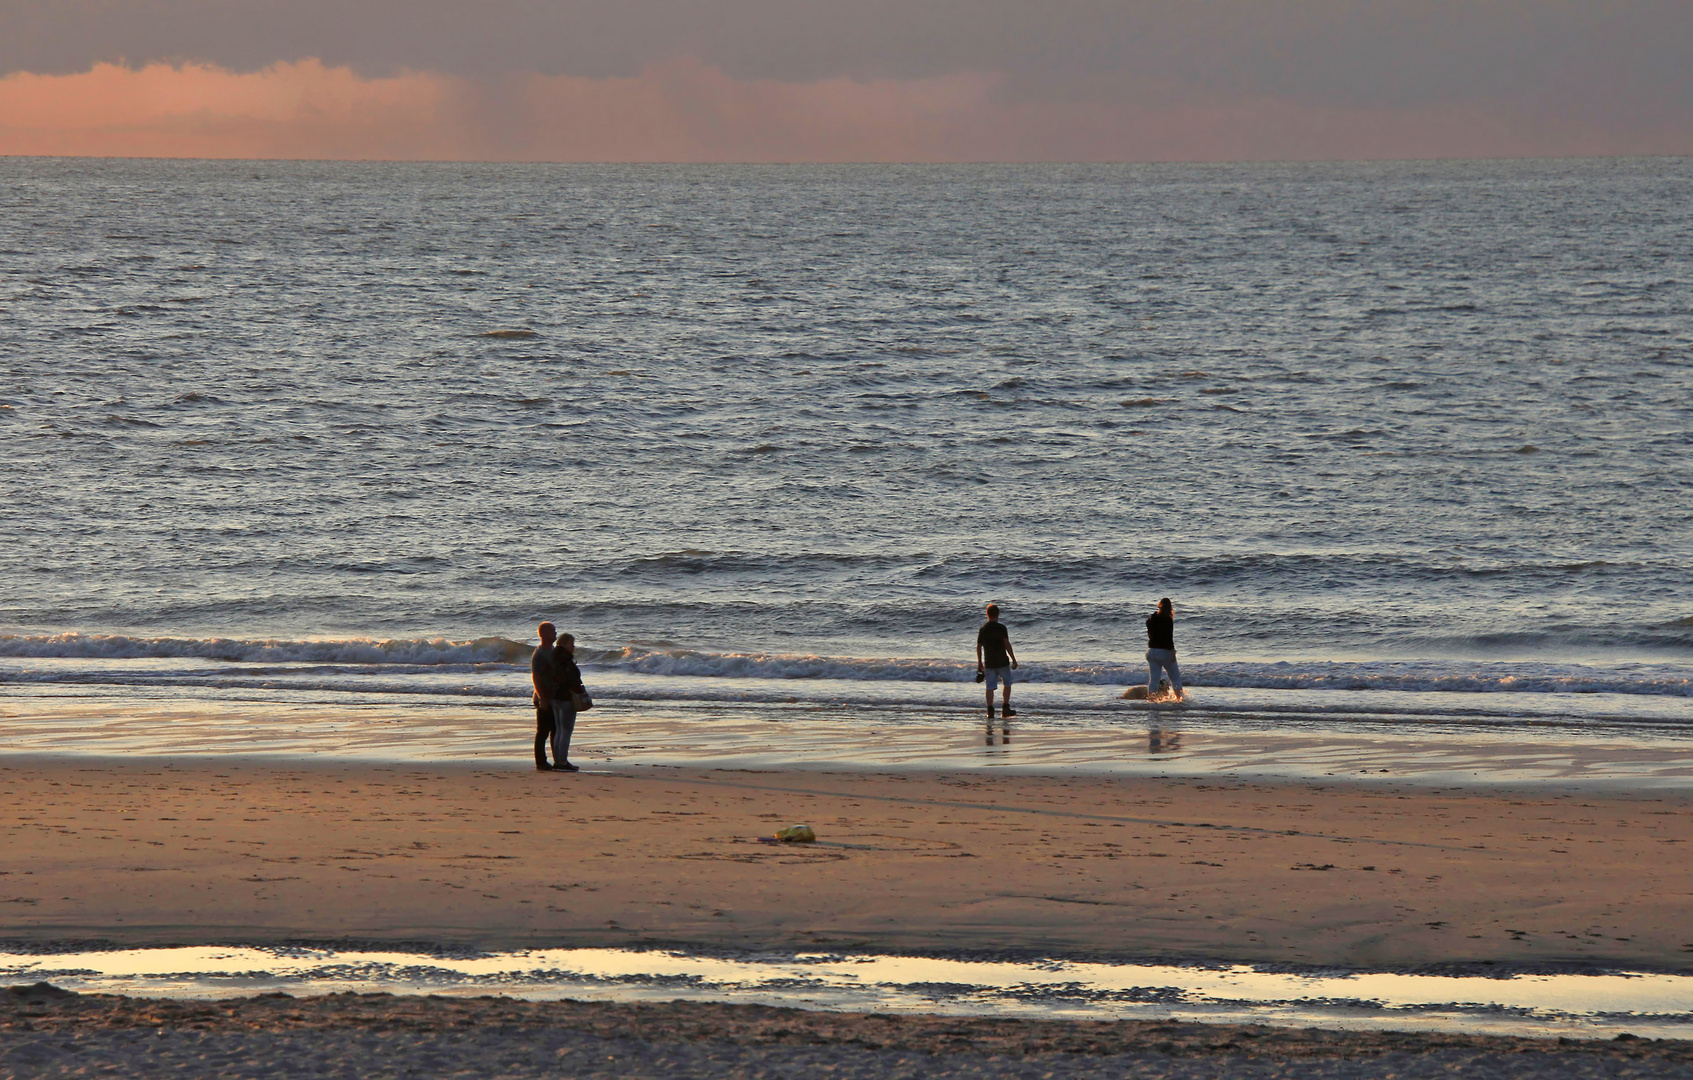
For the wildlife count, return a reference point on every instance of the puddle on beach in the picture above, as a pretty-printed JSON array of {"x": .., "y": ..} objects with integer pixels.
[{"x": 1575, "y": 1005}]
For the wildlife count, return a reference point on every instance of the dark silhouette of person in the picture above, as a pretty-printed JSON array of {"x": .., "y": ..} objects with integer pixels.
[
  {"x": 995, "y": 658},
  {"x": 1161, "y": 650}
]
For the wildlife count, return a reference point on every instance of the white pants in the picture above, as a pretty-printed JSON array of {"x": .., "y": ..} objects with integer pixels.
[{"x": 1162, "y": 660}]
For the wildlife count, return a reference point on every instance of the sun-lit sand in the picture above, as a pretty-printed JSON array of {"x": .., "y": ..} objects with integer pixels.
[{"x": 154, "y": 851}]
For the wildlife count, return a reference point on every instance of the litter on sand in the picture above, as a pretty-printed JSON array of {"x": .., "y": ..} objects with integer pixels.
[{"x": 796, "y": 834}]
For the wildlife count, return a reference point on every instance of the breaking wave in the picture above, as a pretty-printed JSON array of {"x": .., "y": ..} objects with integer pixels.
[
  {"x": 398, "y": 665},
  {"x": 269, "y": 650},
  {"x": 1414, "y": 676}
]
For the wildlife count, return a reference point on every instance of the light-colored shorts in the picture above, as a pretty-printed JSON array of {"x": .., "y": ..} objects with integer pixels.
[{"x": 997, "y": 675}]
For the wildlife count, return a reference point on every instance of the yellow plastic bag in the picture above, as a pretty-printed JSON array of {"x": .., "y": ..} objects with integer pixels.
[{"x": 796, "y": 834}]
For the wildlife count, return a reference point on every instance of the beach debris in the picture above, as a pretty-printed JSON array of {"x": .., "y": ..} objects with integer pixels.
[{"x": 796, "y": 834}]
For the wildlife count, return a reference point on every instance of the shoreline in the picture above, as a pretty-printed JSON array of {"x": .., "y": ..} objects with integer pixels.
[{"x": 1156, "y": 743}]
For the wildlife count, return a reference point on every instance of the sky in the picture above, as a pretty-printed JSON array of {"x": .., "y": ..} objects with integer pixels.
[{"x": 846, "y": 80}]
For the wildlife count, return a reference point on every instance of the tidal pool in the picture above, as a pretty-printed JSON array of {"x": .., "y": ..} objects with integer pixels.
[{"x": 1596, "y": 1005}]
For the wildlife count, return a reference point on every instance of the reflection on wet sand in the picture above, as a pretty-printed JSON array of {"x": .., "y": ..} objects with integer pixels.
[
  {"x": 1162, "y": 740},
  {"x": 1423, "y": 748},
  {"x": 1002, "y": 738},
  {"x": 1585, "y": 1005}
]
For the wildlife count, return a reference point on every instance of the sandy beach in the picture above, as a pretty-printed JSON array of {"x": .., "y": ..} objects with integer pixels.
[
  {"x": 149, "y": 852},
  {"x": 140, "y": 852}
]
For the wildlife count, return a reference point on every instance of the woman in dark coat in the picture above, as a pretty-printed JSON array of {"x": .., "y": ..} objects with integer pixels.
[
  {"x": 567, "y": 679},
  {"x": 1161, "y": 649}
]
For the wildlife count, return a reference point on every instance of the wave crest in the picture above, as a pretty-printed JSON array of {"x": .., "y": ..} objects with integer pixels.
[
  {"x": 393, "y": 656},
  {"x": 269, "y": 650},
  {"x": 1420, "y": 676}
]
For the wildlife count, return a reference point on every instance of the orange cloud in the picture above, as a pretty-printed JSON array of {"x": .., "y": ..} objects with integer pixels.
[
  {"x": 687, "y": 111},
  {"x": 297, "y": 110}
]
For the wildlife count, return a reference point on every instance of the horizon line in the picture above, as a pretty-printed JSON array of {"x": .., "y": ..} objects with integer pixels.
[{"x": 862, "y": 163}]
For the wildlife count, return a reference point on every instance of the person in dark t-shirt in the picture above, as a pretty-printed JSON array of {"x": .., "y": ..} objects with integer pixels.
[
  {"x": 995, "y": 658},
  {"x": 543, "y": 672},
  {"x": 1161, "y": 649}
]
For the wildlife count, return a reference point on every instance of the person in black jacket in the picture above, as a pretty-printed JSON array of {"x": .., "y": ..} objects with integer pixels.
[
  {"x": 567, "y": 679},
  {"x": 1161, "y": 649}
]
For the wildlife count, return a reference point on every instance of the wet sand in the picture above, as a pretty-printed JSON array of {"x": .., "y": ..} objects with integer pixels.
[
  {"x": 150, "y": 851},
  {"x": 625, "y": 735},
  {"x": 45, "y": 1032}
]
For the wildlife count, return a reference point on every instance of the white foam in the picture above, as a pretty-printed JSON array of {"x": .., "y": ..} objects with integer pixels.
[
  {"x": 1433, "y": 676},
  {"x": 687, "y": 665},
  {"x": 267, "y": 650}
]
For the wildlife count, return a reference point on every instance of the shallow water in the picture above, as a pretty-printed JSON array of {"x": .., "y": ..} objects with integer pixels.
[
  {"x": 1156, "y": 740},
  {"x": 1579, "y": 1005},
  {"x": 1413, "y": 431}
]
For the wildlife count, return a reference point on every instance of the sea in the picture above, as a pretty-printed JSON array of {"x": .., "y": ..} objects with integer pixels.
[{"x": 1408, "y": 444}]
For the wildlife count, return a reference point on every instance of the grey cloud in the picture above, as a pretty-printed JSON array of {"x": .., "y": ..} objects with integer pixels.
[{"x": 1596, "y": 55}]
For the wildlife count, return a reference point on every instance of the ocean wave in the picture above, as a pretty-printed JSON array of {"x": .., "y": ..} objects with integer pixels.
[
  {"x": 383, "y": 663},
  {"x": 1410, "y": 676},
  {"x": 268, "y": 650},
  {"x": 1449, "y": 677},
  {"x": 1174, "y": 570},
  {"x": 688, "y": 662}
]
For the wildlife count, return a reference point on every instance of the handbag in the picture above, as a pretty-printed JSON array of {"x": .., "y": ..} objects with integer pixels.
[{"x": 580, "y": 700}]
